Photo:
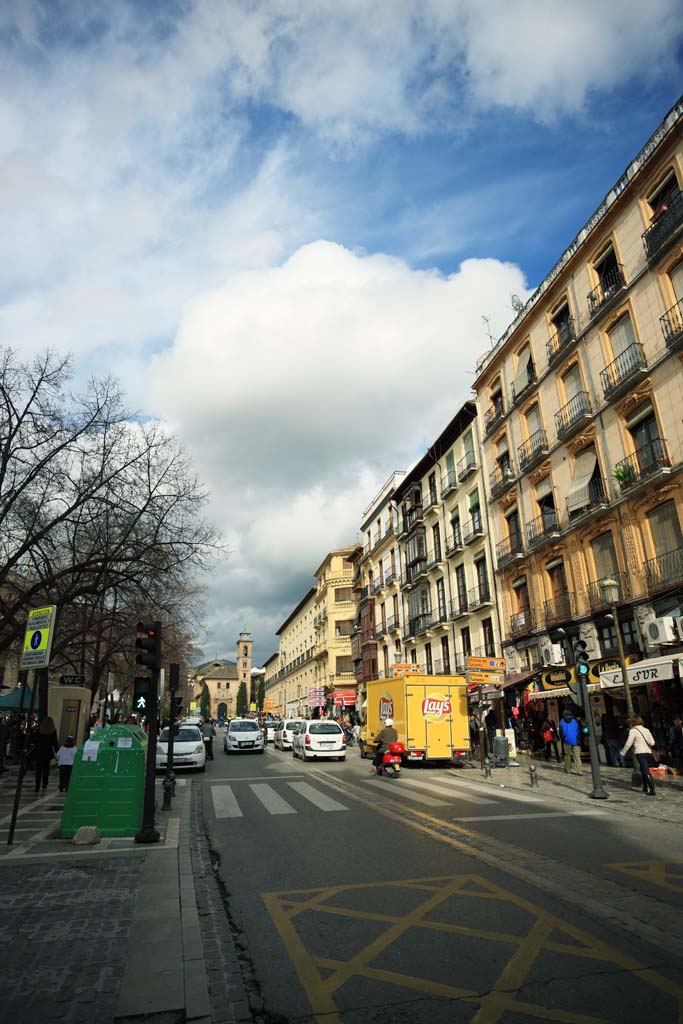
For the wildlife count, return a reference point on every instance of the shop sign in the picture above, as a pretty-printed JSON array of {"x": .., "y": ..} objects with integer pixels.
[
  {"x": 639, "y": 674},
  {"x": 554, "y": 678}
]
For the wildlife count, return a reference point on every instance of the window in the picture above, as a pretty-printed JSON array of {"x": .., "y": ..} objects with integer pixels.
[
  {"x": 533, "y": 421},
  {"x": 586, "y": 489},
  {"x": 413, "y": 656},
  {"x": 392, "y": 558},
  {"x": 489, "y": 643},
  {"x": 343, "y": 663},
  {"x": 482, "y": 579},
  {"x": 622, "y": 336},
  {"x": 468, "y": 444},
  {"x": 416, "y": 548},
  {"x": 419, "y": 603},
  {"x": 561, "y": 320},
  {"x": 514, "y": 531},
  {"x": 455, "y": 527},
  {"x": 525, "y": 373},
  {"x": 343, "y": 594},
  {"x": 344, "y": 627},
  {"x": 604, "y": 556},
  {"x": 557, "y": 578},
  {"x": 546, "y": 501},
  {"x": 676, "y": 277},
  {"x": 436, "y": 541},
  {"x": 666, "y": 193},
  {"x": 346, "y": 564},
  {"x": 441, "y": 599},
  {"x": 428, "y": 660},
  {"x": 497, "y": 396},
  {"x": 383, "y": 616},
  {"x": 445, "y": 655},
  {"x": 609, "y": 275},
  {"x": 665, "y": 528},
  {"x": 503, "y": 456},
  {"x": 573, "y": 385},
  {"x": 608, "y": 637},
  {"x": 433, "y": 498},
  {"x": 475, "y": 510},
  {"x": 385, "y": 661},
  {"x": 450, "y": 467},
  {"x": 394, "y": 608},
  {"x": 466, "y": 641},
  {"x": 461, "y": 586},
  {"x": 245, "y": 652}
]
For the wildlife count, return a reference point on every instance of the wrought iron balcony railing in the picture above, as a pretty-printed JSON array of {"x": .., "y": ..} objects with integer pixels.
[
  {"x": 596, "y": 595},
  {"x": 454, "y": 541},
  {"x": 596, "y": 497},
  {"x": 494, "y": 414},
  {"x": 467, "y": 466},
  {"x": 665, "y": 570},
  {"x": 665, "y": 222},
  {"x": 610, "y": 285},
  {"x": 449, "y": 482},
  {"x": 509, "y": 549},
  {"x": 645, "y": 462},
  {"x": 532, "y": 450},
  {"x": 521, "y": 622},
  {"x": 523, "y": 384},
  {"x": 672, "y": 326},
  {"x": 560, "y": 340},
  {"x": 559, "y": 608},
  {"x": 572, "y": 415},
  {"x": 542, "y": 528},
  {"x": 473, "y": 527},
  {"x": 479, "y": 596},
  {"x": 623, "y": 372},
  {"x": 501, "y": 479},
  {"x": 459, "y": 606}
]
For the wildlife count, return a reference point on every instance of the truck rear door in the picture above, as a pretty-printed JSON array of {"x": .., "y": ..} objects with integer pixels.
[{"x": 429, "y": 720}]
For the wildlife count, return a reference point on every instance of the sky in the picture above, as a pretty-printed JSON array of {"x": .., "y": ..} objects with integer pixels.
[{"x": 281, "y": 224}]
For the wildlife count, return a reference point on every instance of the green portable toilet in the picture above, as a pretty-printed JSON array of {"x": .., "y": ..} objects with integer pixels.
[{"x": 107, "y": 783}]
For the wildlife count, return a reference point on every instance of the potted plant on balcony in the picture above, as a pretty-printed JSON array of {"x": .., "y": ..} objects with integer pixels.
[{"x": 625, "y": 475}]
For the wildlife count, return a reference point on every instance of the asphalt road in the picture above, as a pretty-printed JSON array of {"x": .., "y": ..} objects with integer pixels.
[{"x": 430, "y": 899}]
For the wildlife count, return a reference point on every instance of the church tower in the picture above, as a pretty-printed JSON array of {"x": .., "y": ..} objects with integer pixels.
[{"x": 244, "y": 646}]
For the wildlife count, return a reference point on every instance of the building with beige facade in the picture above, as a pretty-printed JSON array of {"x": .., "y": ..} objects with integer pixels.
[
  {"x": 334, "y": 619},
  {"x": 582, "y": 439},
  {"x": 290, "y": 672}
]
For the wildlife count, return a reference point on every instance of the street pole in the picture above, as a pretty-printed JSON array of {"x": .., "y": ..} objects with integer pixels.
[
  {"x": 151, "y": 643},
  {"x": 169, "y": 780},
  {"x": 481, "y": 726},
  {"x": 22, "y": 758},
  {"x": 622, "y": 665},
  {"x": 598, "y": 792}
]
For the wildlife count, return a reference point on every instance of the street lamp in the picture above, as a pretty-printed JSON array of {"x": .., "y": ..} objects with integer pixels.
[{"x": 610, "y": 592}]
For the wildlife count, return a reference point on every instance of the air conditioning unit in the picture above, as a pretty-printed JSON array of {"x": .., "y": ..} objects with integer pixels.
[
  {"x": 679, "y": 627},
  {"x": 553, "y": 655},
  {"x": 661, "y": 631}
]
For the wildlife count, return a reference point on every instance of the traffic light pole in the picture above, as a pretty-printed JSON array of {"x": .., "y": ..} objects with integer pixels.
[
  {"x": 598, "y": 792},
  {"x": 169, "y": 780},
  {"x": 149, "y": 641}
]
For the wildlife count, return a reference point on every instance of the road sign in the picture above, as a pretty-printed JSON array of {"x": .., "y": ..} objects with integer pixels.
[
  {"x": 38, "y": 637},
  {"x": 485, "y": 678},
  {"x": 193, "y": 705},
  {"x": 76, "y": 680},
  {"x": 486, "y": 664},
  {"x": 405, "y": 668}
]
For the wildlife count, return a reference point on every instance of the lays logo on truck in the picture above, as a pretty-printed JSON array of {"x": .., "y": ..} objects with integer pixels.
[
  {"x": 436, "y": 705},
  {"x": 386, "y": 707}
]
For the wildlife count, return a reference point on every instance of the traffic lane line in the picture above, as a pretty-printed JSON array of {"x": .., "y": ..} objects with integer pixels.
[
  {"x": 253, "y": 778},
  {"x": 417, "y": 797},
  {"x": 450, "y": 791},
  {"x": 593, "y": 813}
]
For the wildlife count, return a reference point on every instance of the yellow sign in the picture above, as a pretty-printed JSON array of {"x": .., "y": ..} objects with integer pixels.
[
  {"x": 406, "y": 669},
  {"x": 193, "y": 705},
  {"x": 486, "y": 664},
  {"x": 38, "y": 637},
  {"x": 486, "y": 678}
]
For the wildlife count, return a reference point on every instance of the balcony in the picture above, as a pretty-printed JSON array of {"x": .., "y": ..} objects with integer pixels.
[
  {"x": 393, "y": 625},
  {"x": 501, "y": 479},
  {"x": 560, "y": 342},
  {"x": 407, "y": 635},
  {"x": 434, "y": 559},
  {"x": 542, "y": 528},
  {"x": 459, "y": 607},
  {"x": 380, "y": 630},
  {"x": 421, "y": 624},
  {"x": 521, "y": 622},
  {"x": 558, "y": 608},
  {"x": 666, "y": 222},
  {"x": 467, "y": 466},
  {"x": 644, "y": 464},
  {"x": 523, "y": 385},
  {"x": 454, "y": 542},
  {"x": 534, "y": 449},
  {"x": 596, "y": 597},
  {"x": 413, "y": 517},
  {"x": 509, "y": 550},
  {"x": 390, "y": 577},
  {"x": 672, "y": 326},
  {"x": 572, "y": 416},
  {"x": 441, "y": 668},
  {"x": 473, "y": 528},
  {"x": 611, "y": 284},
  {"x": 595, "y": 499},
  {"x": 624, "y": 372},
  {"x": 377, "y": 587},
  {"x": 494, "y": 414},
  {"x": 449, "y": 482},
  {"x": 479, "y": 596},
  {"x": 664, "y": 571}
]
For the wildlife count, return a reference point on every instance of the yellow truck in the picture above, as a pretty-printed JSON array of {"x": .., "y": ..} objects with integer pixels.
[{"x": 429, "y": 714}]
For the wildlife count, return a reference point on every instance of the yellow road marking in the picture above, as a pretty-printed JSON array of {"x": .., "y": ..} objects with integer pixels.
[{"x": 667, "y": 874}]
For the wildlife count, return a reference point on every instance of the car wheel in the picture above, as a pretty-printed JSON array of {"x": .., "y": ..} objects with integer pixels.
[
  {"x": 261, "y": 751},
  {"x": 342, "y": 758},
  {"x": 203, "y": 768}
]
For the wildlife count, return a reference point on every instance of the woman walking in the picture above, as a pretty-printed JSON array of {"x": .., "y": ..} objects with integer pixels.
[
  {"x": 643, "y": 743},
  {"x": 44, "y": 749}
]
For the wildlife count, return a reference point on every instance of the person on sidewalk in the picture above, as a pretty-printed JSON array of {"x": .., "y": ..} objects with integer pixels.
[
  {"x": 208, "y": 733},
  {"x": 65, "y": 760},
  {"x": 550, "y": 739},
  {"x": 643, "y": 743},
  {"x": 611, "y": 735},
  {"x": 571, "y": 736},
  {"x": 44, "y": 748},
  {"x": 676, "y": 743}
]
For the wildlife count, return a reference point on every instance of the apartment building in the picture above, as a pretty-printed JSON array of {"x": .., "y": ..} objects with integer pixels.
[
  {"x": 376, "y": 639},
  {"x": 448, "y": 599},
  {"x": 290, "y": 673},
  {"x": 582, "y": 439},
  {"x": 333, "y": 622}
]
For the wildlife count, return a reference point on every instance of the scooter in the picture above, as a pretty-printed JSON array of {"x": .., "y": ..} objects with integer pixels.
[{"x": 391, "y": 761}]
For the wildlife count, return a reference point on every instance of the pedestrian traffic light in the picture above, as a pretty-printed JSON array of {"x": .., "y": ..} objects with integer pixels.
[
  {"x": 177, "y": 707},
  {"x": 149, "y": 641},
  {"x": 142, "y": 688},
  {"x": 581, "y": 658}
]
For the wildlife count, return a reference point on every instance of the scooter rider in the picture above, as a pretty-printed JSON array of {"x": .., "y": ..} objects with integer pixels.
[{"x": 382, "y": 740}]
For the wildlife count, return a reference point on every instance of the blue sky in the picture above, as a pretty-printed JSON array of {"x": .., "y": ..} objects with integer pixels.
[{"x": 279, "y": 207}]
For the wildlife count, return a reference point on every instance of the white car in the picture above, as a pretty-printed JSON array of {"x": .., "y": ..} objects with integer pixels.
[
  {"x": 243, "y": 736},
  {"x": 188, "y": 748},
  {"x": 284, "y": 732},
  {"x": 319, "y": 738},
  {"x": 269, "y": 727}
]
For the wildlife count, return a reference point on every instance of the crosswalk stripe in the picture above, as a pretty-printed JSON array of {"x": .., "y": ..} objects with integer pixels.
[
  {"x": 272, "y": 801},
  {"x": 321, "y": 800},
  {"x": 440, "y": 788},
  {"x": 499, "y": 792},
  {"x": 225, "y": 803},
  {"x": 410, "y": 795}
]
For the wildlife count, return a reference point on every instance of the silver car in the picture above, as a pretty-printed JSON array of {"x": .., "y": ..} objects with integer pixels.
[
  {"x": 319, "y": 738},
  {"x": 243, "y": 736},
  {"x": 284, "y": 732}
]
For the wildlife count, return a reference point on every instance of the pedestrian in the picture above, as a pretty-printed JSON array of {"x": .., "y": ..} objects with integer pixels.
[
  {"x": 356, "y": 732},
  {"x": 45, "y": 746},
  {"x": 676, "y": 743},
  {"x": 208, "y": 733},
  {"x": 643, "y": 743},
  {"x": 550, "y": 739},
  {"x": 611, "y": 737},
  {"x": 65, "y": 760},
  {"x": 571, "y": 735}
]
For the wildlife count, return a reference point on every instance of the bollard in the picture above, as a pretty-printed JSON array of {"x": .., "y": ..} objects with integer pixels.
[
  {"x": 171, "y": 776},
  {"x": 487, "y": 768},
  {"x": 533, "y": 777},
  {"x": 167, "y": 786}
]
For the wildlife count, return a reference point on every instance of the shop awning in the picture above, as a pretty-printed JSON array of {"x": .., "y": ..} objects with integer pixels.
[
  {"x": 10, "y": 701},
  {"x": 652, "y": 670},
  {"x": 561, "y": 691},
  {"x": 344, "y": 698},
  {"x": 579, "y": 494}
]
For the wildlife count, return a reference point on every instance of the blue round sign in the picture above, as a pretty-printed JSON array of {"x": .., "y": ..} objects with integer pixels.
[{"x": 36, "y": 639}]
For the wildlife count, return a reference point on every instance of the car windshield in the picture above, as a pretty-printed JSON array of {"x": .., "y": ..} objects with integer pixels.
[
  {"x": 186, "y": 734},
  {"x": 243, "y": 727},
  {"x": 324, "y": 727}
]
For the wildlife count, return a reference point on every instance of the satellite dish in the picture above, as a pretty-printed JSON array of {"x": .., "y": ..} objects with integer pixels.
[{"x": 516, "y": 303}]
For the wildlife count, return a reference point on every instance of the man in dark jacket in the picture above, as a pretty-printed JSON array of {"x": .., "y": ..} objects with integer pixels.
[
  {"x": 382, "y": 740},
  {"x": 571, "y": 735}
]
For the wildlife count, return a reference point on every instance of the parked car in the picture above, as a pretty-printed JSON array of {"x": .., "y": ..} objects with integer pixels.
[
  {"x": 319, "y": 738},
  {"x": 188, "y": 748},
  {"x": 285, "y": 731},
  {"x": 243, "y": 735},
  {"x": 269, "y": 727}
]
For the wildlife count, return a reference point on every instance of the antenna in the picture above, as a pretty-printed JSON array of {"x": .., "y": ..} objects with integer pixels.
[
  {"x": 487, "y": 327},
  {"x": 517, "y": 303}
]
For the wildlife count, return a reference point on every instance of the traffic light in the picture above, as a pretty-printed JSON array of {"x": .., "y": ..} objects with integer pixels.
[
  {"x": 581, "y": 658},
  {"x": 177, "y": 708},
  {"x": 142, "y": 688},
  {"x": 149, "y": 641}
]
